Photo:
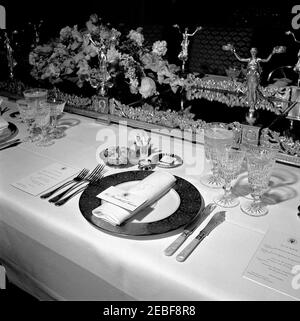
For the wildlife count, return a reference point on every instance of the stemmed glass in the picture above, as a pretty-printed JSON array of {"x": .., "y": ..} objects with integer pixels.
[
  {"x": 42, "y": 120},
  {"x": 56, "y": 109},
  {"x": 215, "y": 137},
  {"x": 230, "y": 161},
  {"x": 33, "y": 97},
  {"x": 27, "y": 113},
  {"x": 260, "y": 163}
]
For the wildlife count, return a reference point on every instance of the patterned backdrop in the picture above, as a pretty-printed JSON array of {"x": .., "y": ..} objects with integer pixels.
[{"x": 206, "y": 54}]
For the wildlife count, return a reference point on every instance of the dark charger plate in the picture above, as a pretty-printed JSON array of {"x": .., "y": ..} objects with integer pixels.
[
  {"x": 190, "y": 203},
  {"x": 8, "y": 133}
]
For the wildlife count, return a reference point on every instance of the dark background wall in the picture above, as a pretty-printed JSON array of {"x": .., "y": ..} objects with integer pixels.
[{"x": 268, "y": 20}]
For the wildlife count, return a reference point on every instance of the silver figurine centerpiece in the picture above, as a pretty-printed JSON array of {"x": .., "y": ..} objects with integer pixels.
[
  {"x": 101, "y": 82},
  {"x": 253, "y": 76},
  {"x": 10, "y": 54},
  {"x": 183, "y": 55},
  {"x": 297, "y": 66}
]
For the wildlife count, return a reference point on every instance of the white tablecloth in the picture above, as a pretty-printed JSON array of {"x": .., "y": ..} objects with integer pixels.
[{"x": 54, "y": 253}]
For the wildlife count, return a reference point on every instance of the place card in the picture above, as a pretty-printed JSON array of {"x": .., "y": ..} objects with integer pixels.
[
  {"x": 276, "y": 263},
  {"x": 42, "y": 180},
  {"x": 125, "y": 199}
]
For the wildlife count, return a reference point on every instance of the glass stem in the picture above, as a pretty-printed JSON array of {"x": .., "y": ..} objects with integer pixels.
[
  {"x": 29, "y": 130},
  {"x": 214, "y": 168},
  {"x": 256, "y": 199},
  {"x": 44, "y": 132},
  {"x": 54, "y": 122},
  {"x": 227, "y": 189}
]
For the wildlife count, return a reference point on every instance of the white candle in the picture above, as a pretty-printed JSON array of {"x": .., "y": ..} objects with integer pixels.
[{"x": 2, "y": 17}]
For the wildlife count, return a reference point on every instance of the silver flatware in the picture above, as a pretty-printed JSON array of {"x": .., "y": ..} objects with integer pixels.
[
  {"x": 10, "y": 143},
  {"x": 217, "y": 219},
  {"x": 82, "y": 174},
  {"x": 97, "y": 170},
  {"x": 189, "y": 228},
  {"x": 94, "y": 179}
]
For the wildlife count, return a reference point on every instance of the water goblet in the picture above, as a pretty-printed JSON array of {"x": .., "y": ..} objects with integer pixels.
[
  {"x": 260, "y": 163},
  {"x": 27, "y": 114},
  {"x": 34, "y": 96},
  {"x": 215, "y": 137},
  {"x": 42, "y": 120},
  {"x": 56, "y": 109},
  {"x": 230, "y": 162}
]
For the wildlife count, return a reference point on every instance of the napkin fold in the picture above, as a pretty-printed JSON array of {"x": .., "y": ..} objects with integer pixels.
[
  {"x": 3, "y": 123},
  {"x": 152, "y": 188}
]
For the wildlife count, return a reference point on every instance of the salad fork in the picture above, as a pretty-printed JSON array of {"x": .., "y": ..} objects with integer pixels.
[
  {"x": 87, "y": 179},
  {"x": 97, "y": 177},
  {"x": 83, "y": 173}
]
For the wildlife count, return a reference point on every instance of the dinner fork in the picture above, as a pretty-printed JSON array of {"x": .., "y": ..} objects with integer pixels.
[
  {"x": 96, "y": 178},
  {"x": 83, "y": 173},
  {"x": 87, "y": 179}
]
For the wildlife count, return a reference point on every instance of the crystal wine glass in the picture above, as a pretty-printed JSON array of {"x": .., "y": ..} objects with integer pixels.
[
  {"x": 260, "y": 163},
  {"x": 27, "y": 114},
  {"x": 56, "y": 109},
  {"x": 230, "y": 162},
  {"x": 215, "y": 137},
  {"x": 42, "y": 120}
]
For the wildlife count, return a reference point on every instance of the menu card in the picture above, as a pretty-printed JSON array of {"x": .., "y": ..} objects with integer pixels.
[
  {"x": 42, "y": 180},
  {"x": 276, "y": 263}
]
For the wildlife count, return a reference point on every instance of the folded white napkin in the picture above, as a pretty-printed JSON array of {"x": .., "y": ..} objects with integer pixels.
[
  {"x": 152, "y": 188},
  {"x": 3, "y": 123}
]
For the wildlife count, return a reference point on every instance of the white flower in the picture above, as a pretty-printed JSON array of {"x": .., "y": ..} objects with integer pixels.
[
  {"x": 147, "y": 88},
  {"x": 113, "y": 55},
  {"x": 136, "y": 36},
  {"x": 159, "y": 48}
]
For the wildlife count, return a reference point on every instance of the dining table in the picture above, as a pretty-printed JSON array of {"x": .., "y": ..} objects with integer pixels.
[{"x": 56, "y": 253}]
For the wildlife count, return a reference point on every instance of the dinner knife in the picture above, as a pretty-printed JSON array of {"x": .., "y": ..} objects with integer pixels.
[
  {"x": 217, "y": 219},
  {"x": 189, "y": 228}
]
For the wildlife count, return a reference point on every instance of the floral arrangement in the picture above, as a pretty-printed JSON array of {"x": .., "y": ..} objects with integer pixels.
[{"x": 99, "y": 52}]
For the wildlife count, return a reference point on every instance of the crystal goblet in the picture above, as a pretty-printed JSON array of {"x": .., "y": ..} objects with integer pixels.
[
  {"x": 42, "y": 120},
  {"x": 56, "y": 109},
  {"x": 27, "y": 114},
  {"x": 230, "y": 162},
  {"x": 260, "y": 163},
  {"x": 34, "y": 96},
  {"x": 215, "y": 137}
]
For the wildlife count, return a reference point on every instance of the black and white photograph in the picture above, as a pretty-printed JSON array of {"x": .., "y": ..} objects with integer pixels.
[{"x": 149, "y": 154}]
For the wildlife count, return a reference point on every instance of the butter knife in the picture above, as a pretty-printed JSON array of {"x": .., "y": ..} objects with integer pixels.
[
  {"x": 217, "y": 219},
  {"x": 189, "y": 228}
]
